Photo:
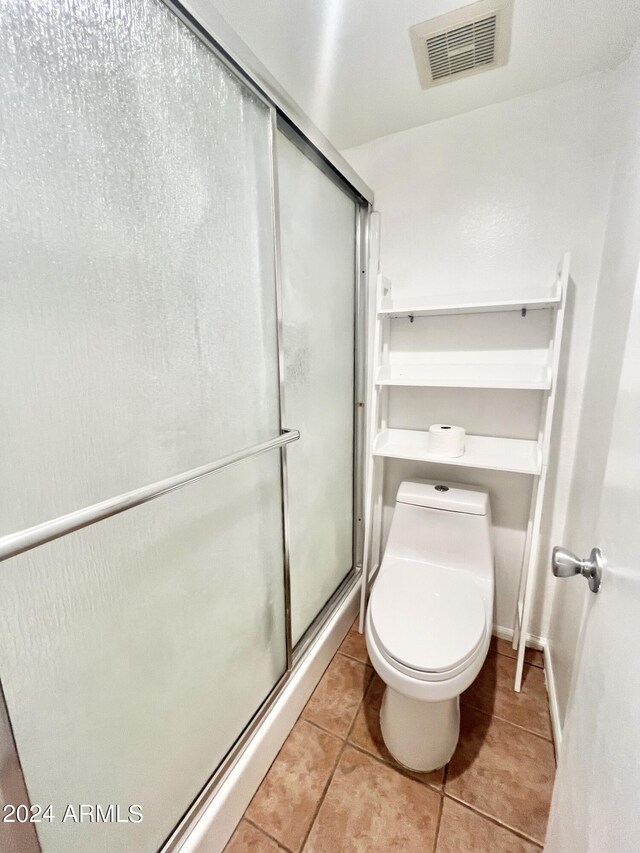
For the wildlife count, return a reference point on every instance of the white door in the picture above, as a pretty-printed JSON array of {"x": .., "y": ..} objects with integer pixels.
[{"x": 596, "y": 801}]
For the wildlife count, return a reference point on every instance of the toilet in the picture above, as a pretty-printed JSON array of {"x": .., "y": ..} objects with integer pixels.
[{"x": 429, "y": 617}]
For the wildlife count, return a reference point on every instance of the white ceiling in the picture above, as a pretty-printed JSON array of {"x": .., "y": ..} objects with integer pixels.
[{"x": 349, "y": 65}]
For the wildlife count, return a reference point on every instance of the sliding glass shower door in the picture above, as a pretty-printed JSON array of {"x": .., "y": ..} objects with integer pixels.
[{"x": 177, "y": 286}]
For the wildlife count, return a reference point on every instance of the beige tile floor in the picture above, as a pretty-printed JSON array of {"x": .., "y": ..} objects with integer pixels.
[{"x": 334, "y": 788}]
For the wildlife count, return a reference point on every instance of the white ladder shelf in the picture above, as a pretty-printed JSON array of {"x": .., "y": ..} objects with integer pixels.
[{"x": 487, "y": 452}]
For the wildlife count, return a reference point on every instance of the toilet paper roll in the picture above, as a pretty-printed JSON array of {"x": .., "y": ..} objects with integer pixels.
[{"x": 446, "y": 440}]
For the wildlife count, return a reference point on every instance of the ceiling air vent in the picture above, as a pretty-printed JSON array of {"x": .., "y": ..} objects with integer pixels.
[{"x": 463, "y": 42}]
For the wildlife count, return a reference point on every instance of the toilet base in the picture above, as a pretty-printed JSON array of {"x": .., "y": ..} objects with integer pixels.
[{"x": 422, "y": 736}]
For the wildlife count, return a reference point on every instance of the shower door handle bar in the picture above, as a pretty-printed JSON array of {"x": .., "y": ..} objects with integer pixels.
[{"x": 25, "y": 540}]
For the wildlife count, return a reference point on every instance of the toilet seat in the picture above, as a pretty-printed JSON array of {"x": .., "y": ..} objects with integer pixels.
[{"x": 428, "y": 621}]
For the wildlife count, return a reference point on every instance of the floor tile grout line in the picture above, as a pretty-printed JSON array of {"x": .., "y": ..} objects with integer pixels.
[
  {"x": 316, "y": 811},
  {"x": 244, "y": 814},
  {"x": 508, "y": 722},
  {"x": 403, "y": 771},
  {"x": 493, "y": 819},
  {"x": 368, "y": 671},
  {"x": 445, "y": 773},
  {"x": 360, "y": 704},
  {"x": 335, "y": 767},
  {"x": 513, "y": 657},
  {"x": 439, "y": 821},
  {"x": 264, "y": 832},
  {"x": 320, "y": 728},
  {"x": 487, "y": 815},
  {"x": 353, "y": 657},
  {"x": 366, "y": 664},
  {"x": 527, "y": 664},
  {"x": 302, "y": 718}
]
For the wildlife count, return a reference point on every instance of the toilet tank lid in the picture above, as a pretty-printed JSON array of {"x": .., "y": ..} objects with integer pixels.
[{"x": 439, "y": 494}]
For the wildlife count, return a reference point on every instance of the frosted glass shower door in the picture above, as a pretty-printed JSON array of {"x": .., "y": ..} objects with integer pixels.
[
  {"x": 138, "y": 304},
  {"x": 317, "y": 236},
  {"x": 138, "y": 340}
]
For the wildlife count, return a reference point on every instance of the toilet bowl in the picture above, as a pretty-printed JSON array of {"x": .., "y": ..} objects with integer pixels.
[{"x": 429, "y": 617}]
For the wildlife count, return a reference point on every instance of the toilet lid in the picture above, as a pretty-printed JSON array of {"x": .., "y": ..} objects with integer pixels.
[{"x": 428, "y": 618}]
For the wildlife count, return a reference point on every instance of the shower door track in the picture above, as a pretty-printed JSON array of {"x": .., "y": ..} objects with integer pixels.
[{"x": 232, "y": 51}]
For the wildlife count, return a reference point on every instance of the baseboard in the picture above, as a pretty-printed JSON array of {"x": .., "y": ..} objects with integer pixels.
[
  {"x": 541, "y": 644},
  {"x": 533, "y": 641},
  {"x": 223, "y": 812},
  {"x": 556, "y": 726}
]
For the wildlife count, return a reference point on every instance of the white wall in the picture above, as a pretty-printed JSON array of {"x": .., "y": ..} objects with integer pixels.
[
  {"x": 490, "y": 200},
  {"x": 620, "y": 261}
]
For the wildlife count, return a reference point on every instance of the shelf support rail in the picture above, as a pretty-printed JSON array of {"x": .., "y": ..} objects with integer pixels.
[{"x": 532, "y": 546}]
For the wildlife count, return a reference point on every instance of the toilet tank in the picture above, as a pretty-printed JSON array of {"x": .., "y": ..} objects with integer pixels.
[{"x": 442, "y": 524}]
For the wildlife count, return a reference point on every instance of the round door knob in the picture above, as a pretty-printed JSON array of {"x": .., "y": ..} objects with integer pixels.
[{"x": 565, "y": 564}]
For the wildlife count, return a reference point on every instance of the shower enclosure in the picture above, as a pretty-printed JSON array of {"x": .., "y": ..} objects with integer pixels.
[{"x": 181, "y": 421}]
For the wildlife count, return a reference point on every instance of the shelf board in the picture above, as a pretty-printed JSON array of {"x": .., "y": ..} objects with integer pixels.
[
  {"x": 466, "y": 303},
  {"x": 515, "y": 376},
  {"x": 495, "y": 454}
]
